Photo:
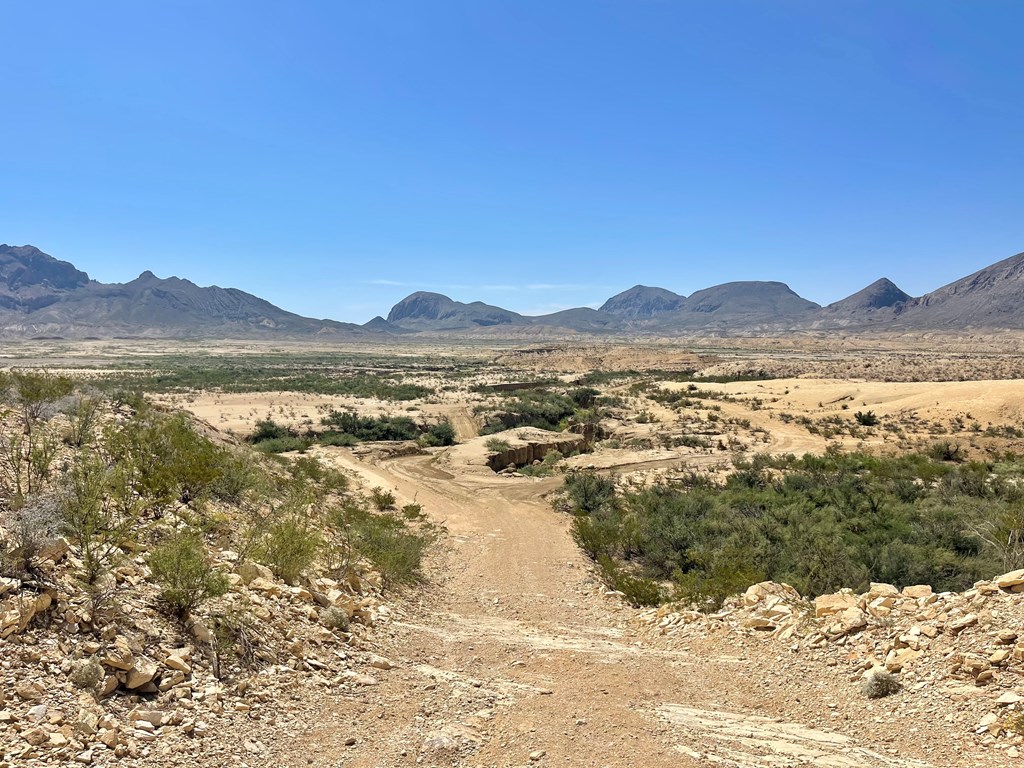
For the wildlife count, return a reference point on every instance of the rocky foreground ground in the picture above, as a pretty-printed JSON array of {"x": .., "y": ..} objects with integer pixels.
[{"x": 514, "y": 654}]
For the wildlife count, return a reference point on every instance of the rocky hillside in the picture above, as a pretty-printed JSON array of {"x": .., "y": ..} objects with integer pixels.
[
  {"x": 990, "y": 298},
  {"x": 739, "y": 304},
  {"x": 641, "y": 302},
  {"x": 968, "y": 646},
  {"x": 877, "y": 303},
  {"x": 30, "y": 280},
  {"x": 434, "y": 311},
  {"x": 43, "y": 297},
  {"x": 166, "y": 592}
]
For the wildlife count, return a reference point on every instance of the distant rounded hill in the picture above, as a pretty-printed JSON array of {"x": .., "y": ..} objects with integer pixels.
[
  {"x": 642, "y": 301},
  {"x": 442, "y": 313}
]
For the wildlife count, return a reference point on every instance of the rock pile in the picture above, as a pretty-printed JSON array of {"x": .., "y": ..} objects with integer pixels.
[
  {"x": 969, "y": 646},
  {"x": 89, "y": 680}
]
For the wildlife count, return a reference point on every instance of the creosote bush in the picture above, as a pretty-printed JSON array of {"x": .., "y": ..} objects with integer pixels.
[
  {"x": 392, "y": 546},
  {"x": 186, "y": 578},
  {"x": 289, "y": 547}
]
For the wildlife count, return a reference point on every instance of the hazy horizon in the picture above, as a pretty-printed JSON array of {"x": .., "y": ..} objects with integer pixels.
[{"x": 333, "y": 158}]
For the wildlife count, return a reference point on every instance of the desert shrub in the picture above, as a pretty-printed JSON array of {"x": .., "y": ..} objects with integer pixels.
[
  {"x": 312, "y": 473},
  {"x": 879, "y": 683},
  {"x": 26, "y": 458},
  {"x": 28, "y": 528},
  {"x": 819, "y": 523},
  {"x": 238, "y": 474},
  {"x": 497, "y": 445},
  {"x": 35, "y": 393},
  {"x": 289, "y": 546},
  {"x": 182, "y": 570},
  {"x": 394, "y": 548},
  {"x": 93, "y": 517},
  {"x": 413, "y": 511},
  {"x": 440, "y": 434},
  {"x": 588, "y": 491},
  {"x": 946, "y": 451},
  {"x": 83, "y": 414},
  {"x": 637, "y": 590},
  {"x": 370, "y": 428},
  {"x": 382, "y": 500},
  {"x": 597, "y": 536},
  {"x": 584, "y": 397},
  {"x": 165, "y": 458},
  {"x": 256, "y": 375},
  {"x": 282, "y": 445},
  {"x": 866, "y": 418},
  {"x": 339, "y": 439},
  {"x": 237, "y": 639},
  {"x": 86, "y": 673},
  {"x": 544, "y": 410},
  {"x": 268, "y": 429},
  {"x": 335, "y": 618}
]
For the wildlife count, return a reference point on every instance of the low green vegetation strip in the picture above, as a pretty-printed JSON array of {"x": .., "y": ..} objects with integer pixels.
[
  {"x": 253, "y": 378},
  {"x": 344, "y": 428},
  {"x": 541, "y": 409},
  {"x": 819, "y": 523}
]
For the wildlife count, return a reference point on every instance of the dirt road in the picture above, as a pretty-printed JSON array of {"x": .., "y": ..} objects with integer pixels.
[{"x": 516, "y": 657}]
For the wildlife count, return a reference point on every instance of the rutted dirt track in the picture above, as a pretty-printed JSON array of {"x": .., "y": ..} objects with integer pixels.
[{"x": 515, "y": 657}]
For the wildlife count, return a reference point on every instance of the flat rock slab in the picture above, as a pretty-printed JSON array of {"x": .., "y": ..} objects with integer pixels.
[{"x": 754, "y": 741}]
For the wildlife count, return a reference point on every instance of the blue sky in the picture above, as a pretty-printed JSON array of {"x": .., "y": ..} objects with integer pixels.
[{"x": 334, "y": 156}]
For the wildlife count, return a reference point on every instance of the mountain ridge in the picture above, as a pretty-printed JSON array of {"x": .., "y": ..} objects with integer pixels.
[{"x": 41, "y": 296}]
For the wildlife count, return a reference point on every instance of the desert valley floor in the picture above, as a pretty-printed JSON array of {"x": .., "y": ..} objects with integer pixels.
[{"x": 513, "y": 651}]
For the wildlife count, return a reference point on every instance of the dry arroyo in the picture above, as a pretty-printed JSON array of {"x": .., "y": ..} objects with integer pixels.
[{"x": 516, "y": 656}]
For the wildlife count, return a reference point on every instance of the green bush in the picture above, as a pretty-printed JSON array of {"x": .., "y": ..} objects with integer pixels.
[
  {"x": 382, "y": 500},
  {"x": 589, "y": 491},
  {"x": 289, "y": 547},
  {"x": 544, "y": 410},
  {"x": 370, "y": 428},
  {"x": 94, "y": 515},
  {"x": 268, "y": 429},
  {"x": 497, "y": 445},
  {"x": 394, "y": 548},
  {"x": 819, "y": 523},
  {"x": 82, "y": 418},
  {"x": 440, "y": 434},
  {"x": 866, "y": 418},
  {"x": 282, "y": 445},
  {"x": 636, "y": 589},
  {"x": 167, "y": 460},
  {"x": 183, "y": 572}
]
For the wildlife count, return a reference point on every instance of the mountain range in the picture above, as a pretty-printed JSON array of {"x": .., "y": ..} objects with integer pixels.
[{"x": 43, "y": 297}]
